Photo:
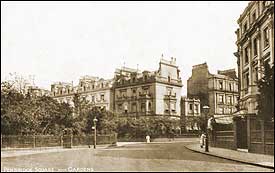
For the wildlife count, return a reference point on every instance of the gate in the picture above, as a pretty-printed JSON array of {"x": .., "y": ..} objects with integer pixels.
[
  {"x": 241, "y": 126},
  {"x": 67, "y": 141}
]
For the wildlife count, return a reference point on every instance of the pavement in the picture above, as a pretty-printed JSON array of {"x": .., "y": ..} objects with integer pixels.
[
  {"x": 266, "y": 161},
  {"x": 14, "y": 152}
]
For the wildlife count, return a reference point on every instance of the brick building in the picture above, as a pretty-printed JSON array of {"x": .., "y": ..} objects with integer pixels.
[{"x": 218, "y": 91}]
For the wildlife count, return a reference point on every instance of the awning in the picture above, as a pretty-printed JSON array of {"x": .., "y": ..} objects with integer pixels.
[{"x": 223, "y": 119}]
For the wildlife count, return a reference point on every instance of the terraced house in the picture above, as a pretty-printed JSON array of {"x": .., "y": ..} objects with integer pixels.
[
  {"x": 255, "y": 43},
  {"x": 218, "y": 91},
  {"x": 148, "y": 93},
  {"x": 96, "y": 90}
]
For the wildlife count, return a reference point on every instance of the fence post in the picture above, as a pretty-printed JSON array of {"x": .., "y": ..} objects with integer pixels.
[
  {"x": 248, "y": 133},
  {"x": 61, "y": 140},
  {"x": 33, "y": 141},
  {"x": 71, "y": 140},
  {"x": 235, "y": 135},
  {"x": 263, "y": 136}
]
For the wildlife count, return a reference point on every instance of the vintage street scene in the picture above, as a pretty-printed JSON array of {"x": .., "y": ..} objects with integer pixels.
[{"x": 137, "y": 86}]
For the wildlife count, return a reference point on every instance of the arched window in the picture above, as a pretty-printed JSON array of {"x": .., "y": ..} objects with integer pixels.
[{"x": 149, "y": 106}]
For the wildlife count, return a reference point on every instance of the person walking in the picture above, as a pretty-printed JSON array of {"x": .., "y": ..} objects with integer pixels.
[
  {"x": 202, "y": 140},
  {"x": 147, "y": 139}
]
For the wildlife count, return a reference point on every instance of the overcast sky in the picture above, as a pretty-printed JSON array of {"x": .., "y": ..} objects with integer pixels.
[{"x": 61, "y": 41}]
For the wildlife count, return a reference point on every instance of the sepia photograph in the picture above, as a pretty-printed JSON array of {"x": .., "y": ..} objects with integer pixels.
[{"x": 137, "y": 86}]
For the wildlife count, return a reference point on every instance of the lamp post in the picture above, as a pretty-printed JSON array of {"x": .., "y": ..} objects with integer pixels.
[
  {"x": 95, "y": 120},
  {"x": 206, "y": 109}
]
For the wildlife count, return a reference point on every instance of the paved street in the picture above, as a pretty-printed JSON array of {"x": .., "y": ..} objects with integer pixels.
[{"x": 133, "y": 157}]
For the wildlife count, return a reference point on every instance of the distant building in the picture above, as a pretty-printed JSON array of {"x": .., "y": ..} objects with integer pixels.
[
  {"x": 38, "y": 92},
  {"x": 96, "y": 90},
  {"x": 255, "y": 42},
  {"x": 148, "y": 93},
  {"x": 218, "y": 91},
  {"x": 190, "y": 114}
]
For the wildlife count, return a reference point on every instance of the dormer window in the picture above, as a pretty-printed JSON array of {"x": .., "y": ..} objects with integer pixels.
[{"x": 145, "y": 77}]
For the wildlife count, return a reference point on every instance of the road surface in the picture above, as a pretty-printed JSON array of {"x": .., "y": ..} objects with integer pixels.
[{"x": 134, "y": 157}]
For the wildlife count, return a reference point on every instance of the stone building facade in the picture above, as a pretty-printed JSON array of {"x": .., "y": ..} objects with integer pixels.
[
  {"x": 255, "y": 44},
  {"x": 39, "y": 92},
  {"x": 190, "y": 114},
  {"x": 96, "y": 90},
  {"x": 148, "y": 93},
  {"x": 218, "y": 91}
]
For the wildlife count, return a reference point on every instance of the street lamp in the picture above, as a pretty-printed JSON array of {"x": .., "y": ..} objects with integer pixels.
[
  {"x": 95, "y": 120},
  {"x": 206, "y": 109}
]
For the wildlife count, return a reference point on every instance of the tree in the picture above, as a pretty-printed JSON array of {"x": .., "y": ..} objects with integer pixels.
[
  {"x": 23, "y": 114},
  {"x": 266, "y": 89}
]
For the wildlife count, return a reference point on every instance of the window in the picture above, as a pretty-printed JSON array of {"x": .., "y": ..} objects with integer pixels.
[
  {"x": 266, "y": 37},
  {"x": 93, "y": 87},
  {"x": 93, "y": 98},
  {"x": 255, "y": 47},
  {"x": 119, "y": 107},
  {"x": 169, "y": 79},
  {"x": 255, "y": 74},
  {"x": 247, "y": 79},
  {"x": 221, "y": 110},
  {"x": 173, "y": 107},
  {"x": 254, "y": 17},
  {"x": 169, "y": 91},
  {"x": 196, "y": 108},
  {"x": 230, "y": 110},
  {"x": 166, "y": 107},
  {"x": 230, "y": 101},
  {"x": 102, "y": 97},
  {"x": 134, "y": 91},
  {"x": 230, "y": 87},
  {"x": 143, "y": 107},
  {"x": 125, "y": 108},
  {"x": 190, "y": 107},
  {"x": 220, "y": 98},
  {"x": 134, "y": 107},
  {"x": 220, "y": 84},
  {"x": 134, "y": 79},
  {"x": 263, "y": 5},
  {"x": 102, "y": 85},
  {"x": 149, "y": 106},
  {"x": 84, "y": 88},
  {"x": 246, "y": 55},
  {"x": 245, "y": 27},
  {"x": 145, "y": 77}
]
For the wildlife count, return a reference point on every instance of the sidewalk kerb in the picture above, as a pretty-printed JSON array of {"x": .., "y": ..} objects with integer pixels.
[{"x": 232, "y": 159}]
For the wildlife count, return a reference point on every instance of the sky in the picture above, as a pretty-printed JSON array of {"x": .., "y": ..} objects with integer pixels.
[{"x": 62, "y": 41}]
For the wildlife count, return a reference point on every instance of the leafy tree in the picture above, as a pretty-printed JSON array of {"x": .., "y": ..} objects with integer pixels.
[{"x": 266, "y": 97}]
